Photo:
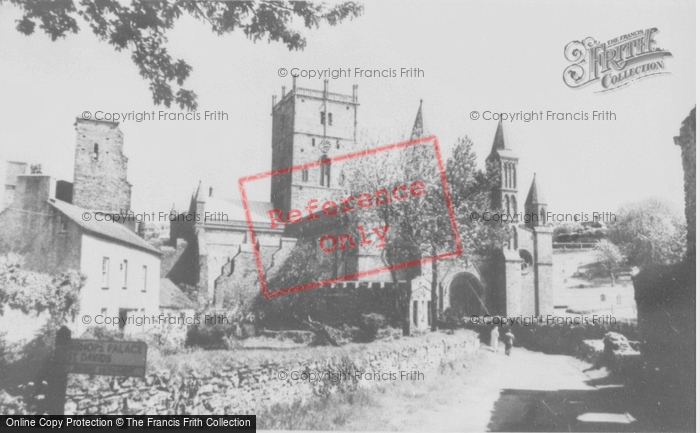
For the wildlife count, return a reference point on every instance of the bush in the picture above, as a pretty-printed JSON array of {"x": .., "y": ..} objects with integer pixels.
[
  {"x": 208, "y": 337},
  {"x": 369, "y": 326},
  {"x": 451, "y": 319},
  {"x": 103, "y": 333},
  {"x": 33, "y": 292},
  {"x": 216, "y": 336}
]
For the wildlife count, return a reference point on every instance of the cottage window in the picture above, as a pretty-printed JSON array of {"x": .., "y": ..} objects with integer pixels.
[
  {"x": 145, "y": 278},
  {"x": 105, "y": 272},
  {"x": 125, "y": 268}
]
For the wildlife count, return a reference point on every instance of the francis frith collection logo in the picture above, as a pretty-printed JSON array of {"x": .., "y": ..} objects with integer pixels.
[{"x": 615, "y": 63}]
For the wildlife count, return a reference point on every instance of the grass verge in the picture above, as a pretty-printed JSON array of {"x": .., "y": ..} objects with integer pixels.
[{"x": 368, "y": 409}]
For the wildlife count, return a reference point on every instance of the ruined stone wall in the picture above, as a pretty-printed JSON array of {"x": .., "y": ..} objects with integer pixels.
[{"x": 244, "y": 387}]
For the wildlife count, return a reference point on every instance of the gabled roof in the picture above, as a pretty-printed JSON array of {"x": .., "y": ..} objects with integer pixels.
[
  {"x": 113, "y": 231},
  {"x": 172, "y": 297},
  {"x": 535, "y": 195}
]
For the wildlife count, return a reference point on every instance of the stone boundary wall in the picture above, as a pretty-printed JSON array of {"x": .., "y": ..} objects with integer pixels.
[{"x": 245, "y": 389}]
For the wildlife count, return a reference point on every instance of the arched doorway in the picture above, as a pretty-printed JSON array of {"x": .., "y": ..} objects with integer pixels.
[{"x": 466, "y": 295}]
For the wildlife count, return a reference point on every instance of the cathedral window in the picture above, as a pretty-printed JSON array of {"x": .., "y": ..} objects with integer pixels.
[
  {"x": 95, "y": 152},
  {"x": 325, "y": 171},
  {"x": 526, "y": 263},
  {"x": 513, "y": 205},
  {"x": 506, "y": 205},
  {"x": 305, "y": 175},
  {"x": 313, "y": 142},
  {"x": 510, "y": 176},
  {"x": 512, "y": 182},
  {"x": 515, "y": 177},
  {"x": 323, "y": 117},
  {"x": 330, "y": 119}
]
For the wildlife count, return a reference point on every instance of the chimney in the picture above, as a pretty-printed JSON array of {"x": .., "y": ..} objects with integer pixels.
[
  {"x": 33, "y": 191},
  {"x": 64, "y": 191},
  {"x": 12, "y": 170}
]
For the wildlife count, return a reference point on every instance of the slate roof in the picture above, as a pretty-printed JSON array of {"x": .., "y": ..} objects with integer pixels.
[
  {"x": 113, "y": 231},
  {"x": 535, "y": 196},
  {"x": 499, "y": 141}
]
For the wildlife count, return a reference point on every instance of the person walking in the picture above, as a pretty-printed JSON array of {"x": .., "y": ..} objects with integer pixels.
[
  {"x": 510, "y": 339},
  {"x": 494, "y": 338}
]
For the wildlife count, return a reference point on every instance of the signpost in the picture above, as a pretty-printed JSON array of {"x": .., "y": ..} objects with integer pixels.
[{"x": 107, "y": 358}]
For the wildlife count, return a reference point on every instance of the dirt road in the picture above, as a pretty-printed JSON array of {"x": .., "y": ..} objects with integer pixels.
[{"x": 528, "y": 391}]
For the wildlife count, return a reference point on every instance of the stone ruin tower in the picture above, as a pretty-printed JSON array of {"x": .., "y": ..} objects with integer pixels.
[{"x": 99, "y": 180}]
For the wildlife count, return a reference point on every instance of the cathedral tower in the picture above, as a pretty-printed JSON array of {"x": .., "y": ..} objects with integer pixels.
[
  {"x": 307, "y": 126},
  {"x": 99, "y": 180},
  {"x": 507, "y": 280},
  {"x": 505, "y": 195}
]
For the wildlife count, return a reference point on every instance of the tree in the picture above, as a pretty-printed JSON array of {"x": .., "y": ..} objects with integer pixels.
[
  {"x": 418, "y": 227},
  {"x": 141, "y": 28},
  {"x": 421, "y": 226},
  {"x": 649, "y": 232},
  {"x": 567, "y": 228},
  {"x": 34, "y": 293},
  {"x": 609, "y": 256},
  {"x": 471, "y": 191}
]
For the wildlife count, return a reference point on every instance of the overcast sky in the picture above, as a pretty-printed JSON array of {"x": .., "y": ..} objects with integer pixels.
[{"x": 476, "y": 56}]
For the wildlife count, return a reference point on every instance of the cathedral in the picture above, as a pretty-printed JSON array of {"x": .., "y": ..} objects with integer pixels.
[{"x": 310, "y": 125}]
